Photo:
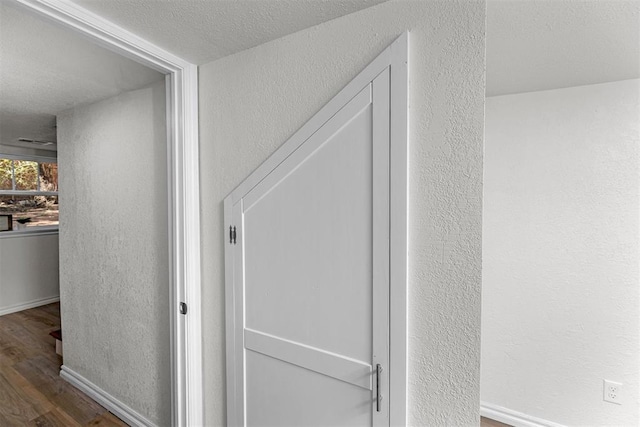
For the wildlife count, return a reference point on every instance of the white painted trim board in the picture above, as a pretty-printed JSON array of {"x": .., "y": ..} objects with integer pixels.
[
  {"x": 122, "y": 411},
  {"x": 399, "y": 230},
  {"x": 513, "y": 418},
  {"x": 184, "y": 191},
  {"x": 28, "y": 304}
]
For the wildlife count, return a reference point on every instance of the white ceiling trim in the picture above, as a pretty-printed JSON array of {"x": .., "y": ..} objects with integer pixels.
[{"x": 106, "y": 34}]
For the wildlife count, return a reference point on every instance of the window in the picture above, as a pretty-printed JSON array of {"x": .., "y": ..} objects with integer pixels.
[{"x": 29, "y": 191}]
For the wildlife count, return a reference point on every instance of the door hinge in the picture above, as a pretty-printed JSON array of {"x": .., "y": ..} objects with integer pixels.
[
  {"x": 378, "y": 388},
  {"x": 183, "y": 308},
  {"x": 232, "y": 235}
]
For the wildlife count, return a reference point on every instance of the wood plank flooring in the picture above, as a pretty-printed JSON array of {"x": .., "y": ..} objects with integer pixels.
[{"x": 31, "y": 390}]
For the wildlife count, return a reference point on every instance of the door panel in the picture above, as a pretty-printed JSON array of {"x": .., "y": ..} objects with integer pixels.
[
  {"x": 308, "y": 247},
  {"x": 321, "y": 401},
  {"x": 311, "y": 276}
]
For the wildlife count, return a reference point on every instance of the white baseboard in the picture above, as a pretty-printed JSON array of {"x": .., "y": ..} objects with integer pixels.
[
  {"x": 513, "y": 418},
  {"x": 27, "y": 305},
  {"x": 118, "y": 408}
]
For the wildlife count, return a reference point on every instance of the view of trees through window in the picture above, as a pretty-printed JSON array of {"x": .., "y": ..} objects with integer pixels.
[{"x": 29, "y": 192}]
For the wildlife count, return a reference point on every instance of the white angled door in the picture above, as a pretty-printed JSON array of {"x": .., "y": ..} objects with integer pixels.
[{"x": 308, "y": 266}]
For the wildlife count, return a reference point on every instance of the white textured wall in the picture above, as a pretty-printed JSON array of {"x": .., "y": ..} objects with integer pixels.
[
  {"x": 114, "y": 278},
  {"x": 28, "y": 269},
  {"x": 560, "y": 297},
  {"x": 251, "y": 102}
]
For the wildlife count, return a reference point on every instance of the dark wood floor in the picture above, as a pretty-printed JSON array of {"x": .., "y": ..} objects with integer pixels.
[{"x": 31, "y": 390}]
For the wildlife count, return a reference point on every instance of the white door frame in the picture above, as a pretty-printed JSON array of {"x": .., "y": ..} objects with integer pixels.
[
  {"x": 184, "y": 192},
  {"x": 394, "y": 57}
]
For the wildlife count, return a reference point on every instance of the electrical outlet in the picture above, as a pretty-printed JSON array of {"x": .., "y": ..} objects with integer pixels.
[{"x": 612, "y": 392}]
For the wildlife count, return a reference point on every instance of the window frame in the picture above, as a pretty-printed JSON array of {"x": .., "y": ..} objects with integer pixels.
[{"x": 38, "y": 230}]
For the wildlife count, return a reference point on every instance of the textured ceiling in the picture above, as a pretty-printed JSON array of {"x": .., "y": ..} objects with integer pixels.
[
  {"x": 45, "y": 69},
  {"x": 201, "y": 31},
  {"x": 538, "y": 45},
  {"x": 531, "y": 45}
]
